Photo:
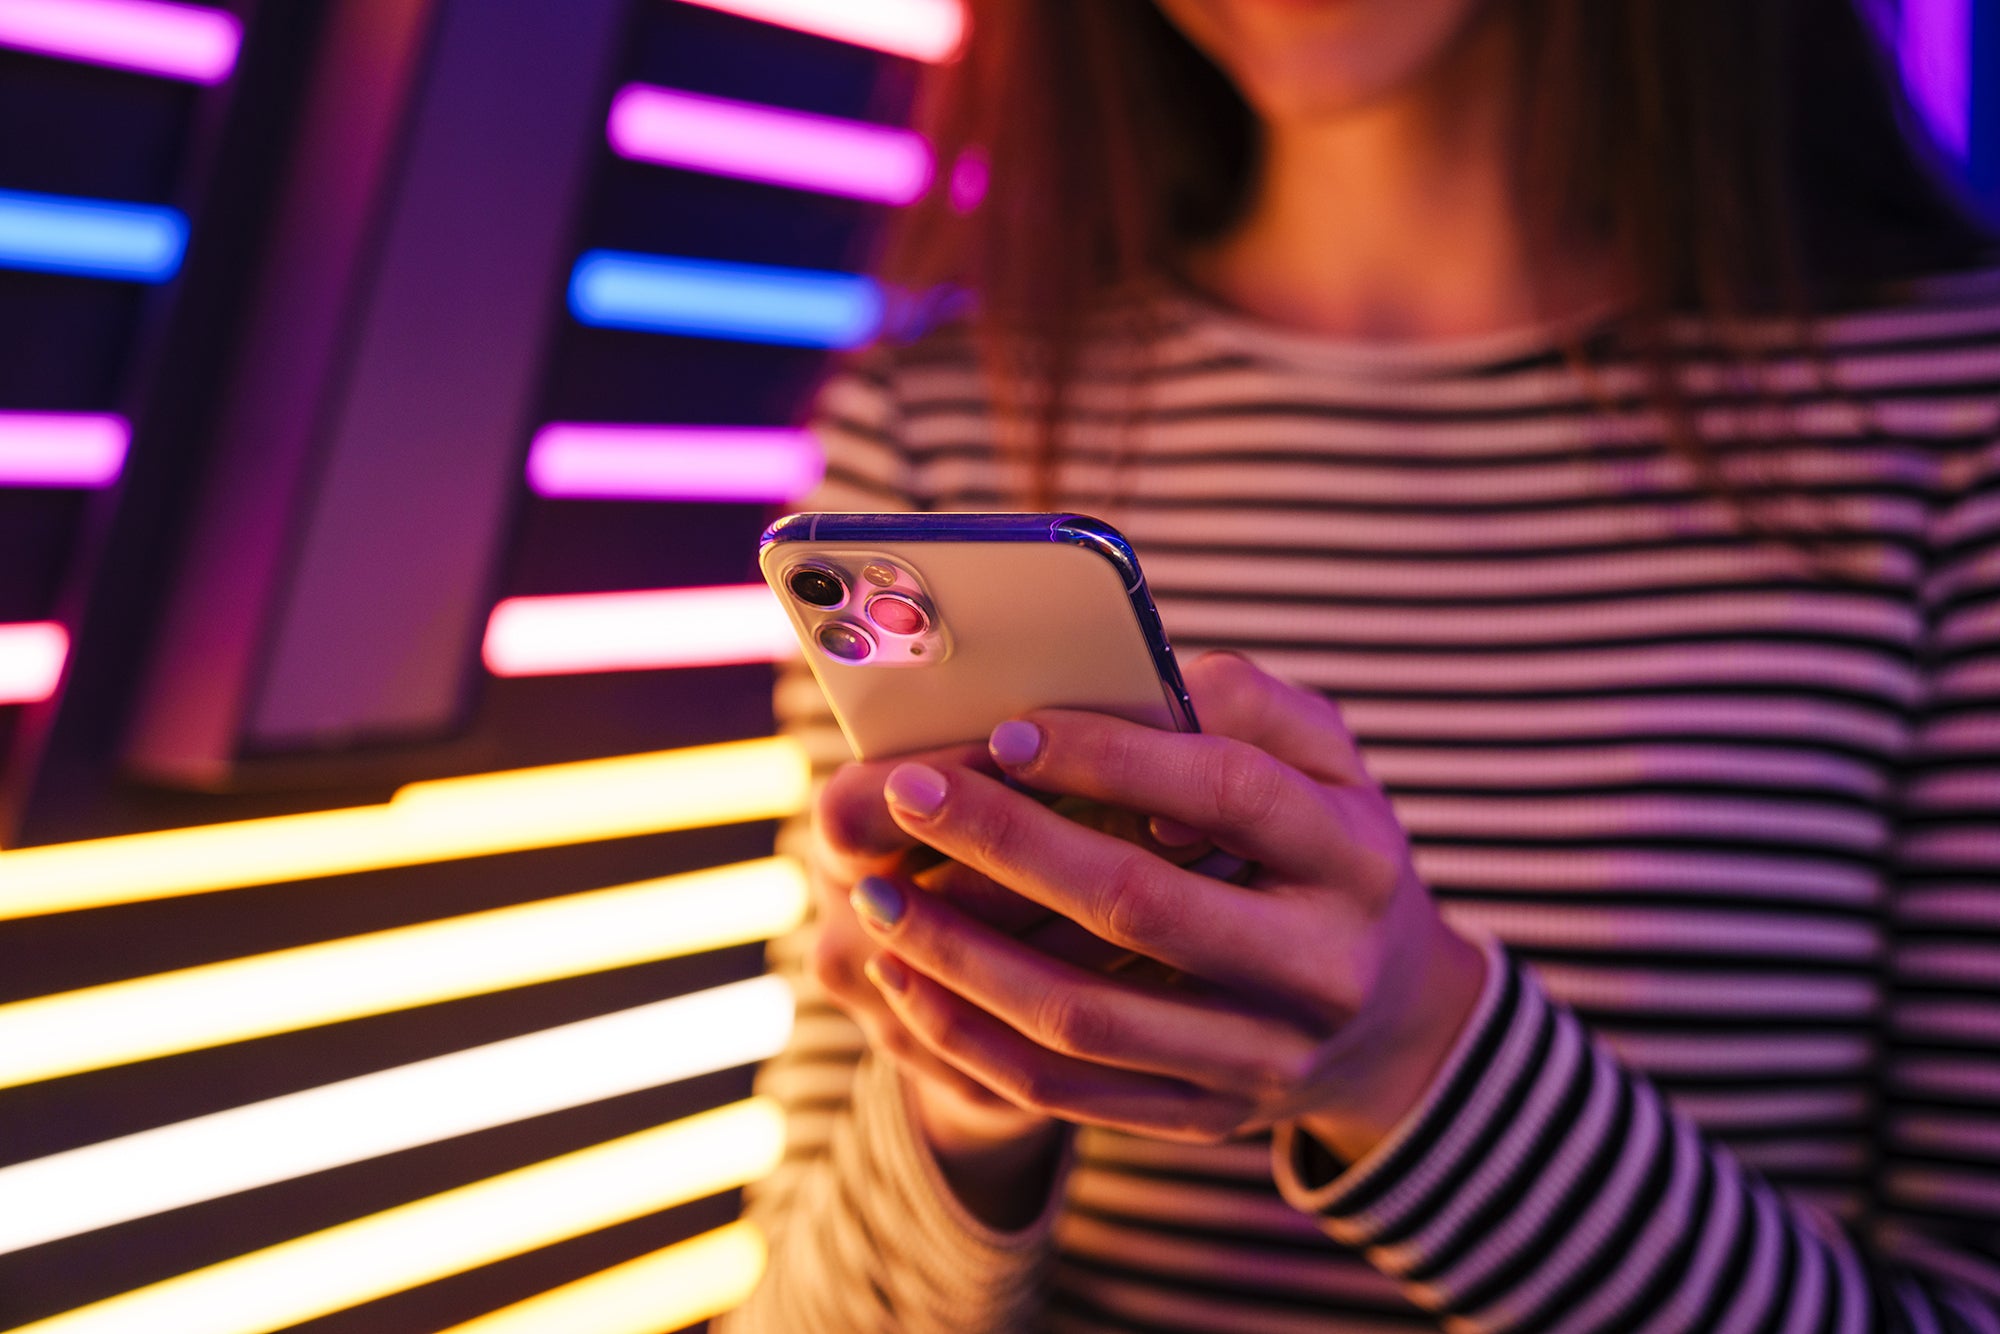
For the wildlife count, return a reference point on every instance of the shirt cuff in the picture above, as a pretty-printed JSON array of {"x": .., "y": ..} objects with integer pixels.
[{"x": 1360, "y": 1202}]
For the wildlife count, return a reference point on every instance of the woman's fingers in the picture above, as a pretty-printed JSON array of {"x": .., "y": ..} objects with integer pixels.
[
  {"x": 1235, "y": 698},
  {"x": 1048, "y": 1083},
  {"x": 1078, "y": 1013},
  {"x": 1244, "y": 799},
  {"x": 839, "y": 963},
  {"x": 1116, "y": 891},
  {"x": 851, "y": 823}
]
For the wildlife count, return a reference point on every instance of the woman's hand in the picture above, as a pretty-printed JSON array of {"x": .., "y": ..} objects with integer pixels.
[
  {"x": 988, "y": 1147},
  {"x": 1327, "y": 989}
]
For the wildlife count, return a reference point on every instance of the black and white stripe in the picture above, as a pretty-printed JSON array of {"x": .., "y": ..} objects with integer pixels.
[{"x": 1736, "y": 820}]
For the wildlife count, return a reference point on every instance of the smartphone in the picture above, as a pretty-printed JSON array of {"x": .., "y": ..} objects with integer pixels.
[{"x": 928, "y": 630}]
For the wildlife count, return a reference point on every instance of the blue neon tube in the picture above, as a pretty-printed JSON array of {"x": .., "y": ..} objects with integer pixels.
[
  {"x": 53, "y": 234},
  {"x": 709, "y": 299}
]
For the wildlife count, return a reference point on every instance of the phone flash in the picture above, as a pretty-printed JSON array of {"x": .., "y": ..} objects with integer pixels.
[{"x": 882, "y": 576}]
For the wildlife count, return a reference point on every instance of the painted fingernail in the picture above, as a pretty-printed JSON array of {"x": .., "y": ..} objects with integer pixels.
[
  {"x": 916, "y": 787},
  {"x": 1172, "y": 833},
  {"x": 1015, "y": 742},
  {"x": 878, "y": 900},
  {"x": 886, "y": 973}
]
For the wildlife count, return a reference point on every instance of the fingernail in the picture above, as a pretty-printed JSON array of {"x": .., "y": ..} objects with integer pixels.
[
  {"x": 916, "y": 787},
  {"x": 1015, "y": 742},
  {"x": 878, "y": 900},
  {"x": 1172, "y": 833},
  {"x": 886, "y": 973}
]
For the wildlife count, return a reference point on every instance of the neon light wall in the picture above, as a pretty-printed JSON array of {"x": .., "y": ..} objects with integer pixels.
[
  {"x": 358, "y": 822},
  {"x": 384, "y": 724}
]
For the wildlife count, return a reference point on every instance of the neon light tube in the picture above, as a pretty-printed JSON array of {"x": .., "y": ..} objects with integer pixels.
[
  {"x": 624, "y": 632},
  {"x": 31, "y": 661},
  {"x": 669, "y": 1289},
  {"x": 153, "y": 1171},
  {"x": 82, "y": 449},
  {"x": 778, "y": 147},
  {"x": 510, "y": 811},
  {"x": 90, "y": 237},
  {"x": 707, "y": 299},
  {"x": 584, "y": 461},
  {"x": 371, "y": 1257},
  {"x": 172, "y": 41},
  {"x": 920, "y": 29},
  {"x": 1935, "y": 49},
  {"x": 384, "y": 971}
]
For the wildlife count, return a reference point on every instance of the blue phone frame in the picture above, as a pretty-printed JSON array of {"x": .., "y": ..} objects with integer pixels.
[{"x": 1077, "y": 530}]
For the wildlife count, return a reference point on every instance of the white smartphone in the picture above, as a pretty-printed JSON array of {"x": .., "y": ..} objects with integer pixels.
[{"x": 927, "y": 630}]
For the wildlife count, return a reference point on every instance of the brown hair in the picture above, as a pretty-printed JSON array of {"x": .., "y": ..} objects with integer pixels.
[{"x": 1741, "y": 158}]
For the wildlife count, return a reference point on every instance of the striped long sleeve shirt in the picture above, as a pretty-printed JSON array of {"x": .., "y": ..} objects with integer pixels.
[{"x": 1719, "y": 782}]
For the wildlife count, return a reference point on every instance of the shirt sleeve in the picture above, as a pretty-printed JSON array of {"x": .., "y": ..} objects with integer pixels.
[
  {"x": 1541, "y": 1185},
  {"x": 863, "y": 1231}
]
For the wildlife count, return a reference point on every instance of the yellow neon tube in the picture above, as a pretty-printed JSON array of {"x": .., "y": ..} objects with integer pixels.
[
  {"x": 446, "y": 1234},
  {"x": 669, "y": 1289},
  {"x": 385, "y": 971},
  {"x": 175, "y": 1165},
  {"x": 424, "y": 822}
]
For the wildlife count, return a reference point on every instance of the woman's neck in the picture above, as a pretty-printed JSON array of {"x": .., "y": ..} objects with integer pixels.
[{"x": 1399, "y": 220}]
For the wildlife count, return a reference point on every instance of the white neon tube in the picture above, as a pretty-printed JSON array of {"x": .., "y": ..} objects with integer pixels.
[
  {"x": 669, "y": 1289},
  {"x": 510, "y": 811},
  {"x": 153, "y": 1171},
  {"x": 344, "y": 1266},
  {"x": 385, "y": 971}
]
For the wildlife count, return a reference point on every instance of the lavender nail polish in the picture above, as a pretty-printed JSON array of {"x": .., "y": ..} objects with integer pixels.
[
  {"x": 878, "y": 900},
  {"x": 916, "y": 787},
  {"x": 1015, "y": 742}
]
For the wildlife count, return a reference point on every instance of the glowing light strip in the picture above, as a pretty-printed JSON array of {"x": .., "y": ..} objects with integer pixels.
[
  {"x": 623, "y": 632},
  {"x": 446, "y": 1234},
  {"x": 509, "y": 811},
  {"x": 31, "y": 662},
  {"x": 702, "y": 298},
  {"x": 84, "y": 449},
  {"x": 153, "y": 1171},
  {"x": 173, "y": 41},
  {"x": 585, "y": 461},
  {"x": 761, "y": 143},
  {"x": 919, "y": 29},
  {"x": 1935, "y": 46},
  {"x": 90, "y": 237},
  {"x": 385, "y": 971},
  {"x": 669, "y": 1289}
]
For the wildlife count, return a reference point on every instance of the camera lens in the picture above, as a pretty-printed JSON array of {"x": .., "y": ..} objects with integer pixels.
[
  {"x": 897, "y": 614},
  {"x": 816, "y": 587},
  {"x": 849, "y": 643}
]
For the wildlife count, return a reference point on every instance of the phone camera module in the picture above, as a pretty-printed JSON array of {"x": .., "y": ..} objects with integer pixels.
[
  {"x": 848, "y": 643},
  {"x": 897, "y": 614},
  {"x": 817, "y": 587}
]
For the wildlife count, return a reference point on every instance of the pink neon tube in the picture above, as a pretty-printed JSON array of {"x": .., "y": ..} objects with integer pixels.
[
  {"x": 627, "y": 632},
  {"x": 31, "y": 660},
  {"x": 760, "y": 143},
  {"x": 187, "y": 42},
  {"x": 919, "y": 29},
  {"x": 585, "y": 461},
  {"x": 61, "y": 448}
]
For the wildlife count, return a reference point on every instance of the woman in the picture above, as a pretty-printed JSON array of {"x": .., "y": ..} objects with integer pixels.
[{"x": 1447, "y": 359}]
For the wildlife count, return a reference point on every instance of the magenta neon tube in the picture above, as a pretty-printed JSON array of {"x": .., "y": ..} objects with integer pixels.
[
  {"x": 31, "y": 660},
  {"x": 760, "y": 143},
  {"x": 591, "y": 461},
  {"x": 919, "y": 29},
  {"x": 189, "y": 42},
  {"x": 49, "y": 449},
  {"x": 638, "y": 631}
]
